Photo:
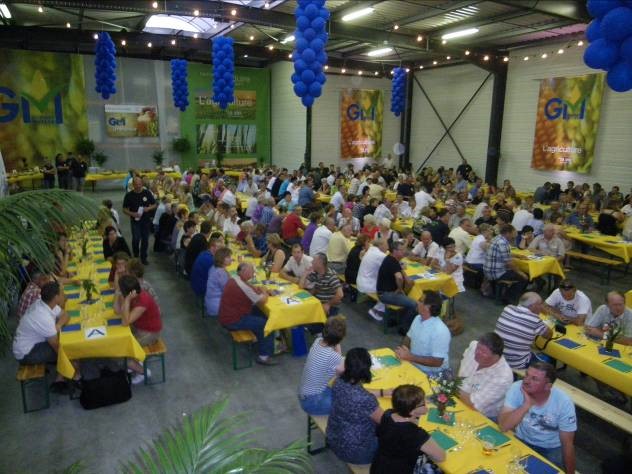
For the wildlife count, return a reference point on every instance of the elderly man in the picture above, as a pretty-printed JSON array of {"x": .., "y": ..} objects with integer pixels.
[
  {"x": 323, "y": 283},
  {"x": 32, "y": 291},
  {"x": 296, "y": 265},
  {"x": 338, "y": 199},
  {"x": 322, "y": 235},
  {"x": 292, "y": 225},
  {"x": 456, "y": 218},
  {"x": 368, "y": 271},
  {"x": 542, "y": 416},
  {"x": 426, "y": 250},
  {"x": 338, "y": 249},
  {"x": 486, "y": 217},
  {"x": 427, "y": 342},
  {"x": 462, "y": 235},
  {"x": 138, "y": 204},
  {"x": 240, "y": 308},
  {"x": 500, "y": 266},
  {"x": 519, "y": 326},
  {"x": 348, "y": 218},
  {"x": 613, "y": 312},
  {"x": 568, "y": 304},
  {"x": 548, "y": 244},
  {"x": 581, "y": 218},
  {"x": 486, "y": 375}
]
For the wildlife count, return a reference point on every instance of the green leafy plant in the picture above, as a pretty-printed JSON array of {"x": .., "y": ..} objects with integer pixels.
[
  {"x": 85, "y": 147},
  {"x": 158, "y": 156},
  {"x": 28, "y": 222},
  {"x": 207, "y": 441},
  {"x": 181, "y": 145},
  {"x": 100, "y": 158},
  {"x": 89, "y": 287}
]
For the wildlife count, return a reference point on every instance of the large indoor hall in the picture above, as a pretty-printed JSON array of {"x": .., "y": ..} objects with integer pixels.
[{"x": 322, "y": 236}]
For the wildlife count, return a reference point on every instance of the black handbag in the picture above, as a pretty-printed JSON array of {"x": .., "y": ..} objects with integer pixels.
[{"x": 110, "y": 388}]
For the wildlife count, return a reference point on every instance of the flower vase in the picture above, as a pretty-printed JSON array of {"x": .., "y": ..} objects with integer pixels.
[
  {"x": 88, "y": 296},
  {"x": 441, "y": 407},
  {"x": 609, "y": 345}
]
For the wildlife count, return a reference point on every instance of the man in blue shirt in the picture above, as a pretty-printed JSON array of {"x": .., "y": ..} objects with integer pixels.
[
  {"x": 542, "y": 416},
  {"x": 306, "y": 195},
  {"x": 203, "y": 263},
  {"x": 427, "y": 343}
]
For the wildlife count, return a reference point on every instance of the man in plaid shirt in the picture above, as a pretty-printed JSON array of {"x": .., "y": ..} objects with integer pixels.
[
  {"x": 32, "y": 291},
  {"x": 499, "y": 265}
]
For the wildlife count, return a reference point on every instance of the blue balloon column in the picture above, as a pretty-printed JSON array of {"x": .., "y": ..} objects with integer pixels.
[
  {"x": 610, "y": 37},
  {"x": 105, "y": 66},
  {"x": 179, "y": 83},
  {"x": 309, "y": 56},
  {"x": 399, "y": 89},
  {"x": 223, "y": 71}
]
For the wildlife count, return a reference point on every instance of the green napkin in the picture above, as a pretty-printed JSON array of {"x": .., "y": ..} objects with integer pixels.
[
  {"x": 389, "y": 361},
  {"x": 443, "y": 440},
  {"x": 109, "y": 304},
  {"x": 498, "y": 437},
  {"x": 103, "y": 281},
  {"x": 99, "y": 260},
  {"x": 302, "y": 295},
  {"x": 74, "y": 313},
  {"x": 620, "y": 366},
  {"x": 71, "y": 288},
  {"x": 433, "y": 417}
]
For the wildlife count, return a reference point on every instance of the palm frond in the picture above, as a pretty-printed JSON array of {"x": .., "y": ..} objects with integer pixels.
[
  {"x": 27, "y": 229},
  {"x": 208, "y": 442},
  {"x": 75, "y": 468}
]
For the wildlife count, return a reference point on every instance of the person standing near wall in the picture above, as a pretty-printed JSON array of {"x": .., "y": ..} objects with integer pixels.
[
  {"x": 138, "y": 204},
  {"x": 62, "y": 171},
  {"x": 78, "y": 169}
]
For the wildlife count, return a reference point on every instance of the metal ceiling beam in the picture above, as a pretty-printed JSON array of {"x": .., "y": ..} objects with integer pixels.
[
  {"x": 566, "y": 9},
  {"x": 521, "y": 32},
  {"x": 478, "y": 23},
  {"x": 436, "y": 11}
]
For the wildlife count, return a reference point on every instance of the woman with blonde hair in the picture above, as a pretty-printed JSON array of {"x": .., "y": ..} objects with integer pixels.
[{"x": 276, "y": 256}]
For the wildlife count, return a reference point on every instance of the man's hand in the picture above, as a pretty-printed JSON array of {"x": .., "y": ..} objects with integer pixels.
[
  {"x": 326, "y": 307},
  {"x": 528, "y": 399},
  {"x": 403, "y": 353}
]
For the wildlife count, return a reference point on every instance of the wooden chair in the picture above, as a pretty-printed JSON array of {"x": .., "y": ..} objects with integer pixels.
[
  {"x": 155, "y": 351},
  {"x": 31, "y": 376},
  {"x": 242, "y": 337}
]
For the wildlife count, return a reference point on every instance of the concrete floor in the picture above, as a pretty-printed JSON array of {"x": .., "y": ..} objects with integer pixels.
[{"x": 199, "y": 371}]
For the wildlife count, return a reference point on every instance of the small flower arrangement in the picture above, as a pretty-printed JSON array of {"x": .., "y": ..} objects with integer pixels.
[
  {"x": 89, "y": 287},
  {"x": 445, "y": 389},
  {"x": 611, "y": 332}
]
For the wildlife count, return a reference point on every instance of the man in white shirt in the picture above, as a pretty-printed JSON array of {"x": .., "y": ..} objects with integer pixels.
[
  {"x": 422, "y": 199},
  {"x": 37, "y": 336},
  {"x": 228, "y": 197},
  {"x": 426, "y": 250},
  {"x": 486, "y": 375},
  {"x": 568, "y": 304},
  {"x": 338, "y": 199},
  {"x": 404, "y": 211},
  {"x": 522, "y": 217},
  {"x": 462, "y": 236},
  {"x": 347, "y": 218},
  {"x": 296, "y": 265},
  {"x": 320, "y": 240},
  {"x": 368, "y": 270},
  {"x": 382, "y": 212}
]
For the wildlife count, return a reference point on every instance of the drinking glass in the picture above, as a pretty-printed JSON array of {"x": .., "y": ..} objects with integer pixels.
[{"x": 487, "y": 444}]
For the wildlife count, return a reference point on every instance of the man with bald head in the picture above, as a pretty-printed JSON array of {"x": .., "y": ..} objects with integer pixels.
[
  {"x": 426, "y": 249},
  {"x": 548, "y": 244},
  {"x": 613, "y": 312},
  {"x": 347, "y": 218}
]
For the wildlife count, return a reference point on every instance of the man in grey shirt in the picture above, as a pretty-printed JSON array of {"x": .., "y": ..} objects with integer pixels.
[{"x": 613, "y": 311}]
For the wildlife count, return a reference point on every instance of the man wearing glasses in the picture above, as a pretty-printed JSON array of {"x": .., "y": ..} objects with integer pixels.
[{"x": 568, "y": 304}]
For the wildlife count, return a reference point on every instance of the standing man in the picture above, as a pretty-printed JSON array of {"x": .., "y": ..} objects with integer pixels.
[
  {"x": 138, "y": 204},
  {"x": 78, "y": 169},
  {"x": 62, "y": 171},
  {"x": 542, "y": 416},
  {"x": 49, "y": 174}
]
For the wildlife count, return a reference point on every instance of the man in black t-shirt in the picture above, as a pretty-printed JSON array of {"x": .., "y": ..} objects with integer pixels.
[
  {"x": 464, "y": 169},
  {"x": 49, "y": 174},
  {"x": 439, "y": 228},
  {"x": 78, "y": 169},
  {"x": 138, "y": 204},
  {"x": 392, "y": 285},
  {"x": 62, "y": 171}
]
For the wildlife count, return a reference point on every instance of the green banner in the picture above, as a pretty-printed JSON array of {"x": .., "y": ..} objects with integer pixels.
[
  {"x": 42, "y": 106},
  {"x": 239, "y": 134}
]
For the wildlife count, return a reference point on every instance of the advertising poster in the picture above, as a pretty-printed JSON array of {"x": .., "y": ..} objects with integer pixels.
[
  {"x": 42, "y": 106},
  {"x": 131, "y": 121},
  {"x": 361, "y": 115},
  {"x": 567, "y": 122}
]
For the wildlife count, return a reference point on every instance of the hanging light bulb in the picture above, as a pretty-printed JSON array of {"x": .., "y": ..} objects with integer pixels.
[
  {"x": 506, "y": 58},
  {"x": 173, "y": 42},
  {"x": 485, "y": 58},
  {"x": 421, "y": 67},
  {"x": 123, "y": 42},
  {"x": 448, "y": 57},
  {"x": 560, "y": 51},
  {"x": 396, "y": 26},
  {"x": 154, "y": 4},
  {"x": 326, "y": 67},
  {"x": 376, "y": 73},
  {"x": 196, "y": 12},
  {"x": 95, "y": 36},
  {"x": 544, "y": 56},
  {"x": 67, "y": 25},
  {"x": 434, "y": 63},
  {"x": 526, "y": 58},
  {"x": 419, "y": 38},
  {"x": 252, "y": 38},
  {"x": 360, "y": 72},
  {"x": 343, "y": 70},
  {"x": 467, "y": 52},
  {"x": 580, "y": 43}
]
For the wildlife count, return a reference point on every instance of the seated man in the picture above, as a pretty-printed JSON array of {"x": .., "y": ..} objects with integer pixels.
[
  {"x": 613, "y": 312},
  {"x": 427, "y": 343},
  {"x": 500, "y": 266},
  {"x": 542, "y": 416},
  {"x": 486, "y": 375},
  {"x": 296, "y": 265},
  {"x": 37, "y": 336},
  {"x": 548, "y": 244},
  {"x": 240, "y": 308},
  {"x": 568, "y": 304},
  {"x": 426, "y": 250},
  {"x": 518, "y": 326},
  {"x": 32, "y": 291},
  {"x": 197, "y": 245},
  {"x": 203, "y": 263},
  {"x": 338, "y": 249},
  {"x": 323, "y": 283},
  {"x": 292, "y": 226}
]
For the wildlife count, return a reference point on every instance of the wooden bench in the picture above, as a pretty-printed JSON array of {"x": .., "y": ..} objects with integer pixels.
[
  {"x": 608, "y": 262},
  {"x": 320, "y": 423},
  {"x": 154, "y": 351},
  {"x": 592, "y": 404},
  {"x": 30, "y": 376},
  {"x": 389, "y": 315},
  {"x": 501, "y": 287},
  {"x": 242, "y": 337}
]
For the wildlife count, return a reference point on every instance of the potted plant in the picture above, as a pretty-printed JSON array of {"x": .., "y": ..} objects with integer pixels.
[
  {"x": 89, "y": 287},
  {"x": 611, "y": 332},
  {"x": 181, "y": 145},
  {"x": 100, "y": 158},
  {"x": 85, "y": 147},
  {"x": 159, "y": 157},
  {"x": 445, "y": 390}
]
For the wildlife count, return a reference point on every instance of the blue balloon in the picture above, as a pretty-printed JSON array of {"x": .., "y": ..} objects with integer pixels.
[
  {"x": 316, "y": 67},
  {"x": 295, "y": 78},
  {"x": 300, "y": 66},
  {"x": 321, "y": 57},
  {"x": 619, "y": 77},
  {"x": 300, "y": 89},
  {"x": 601, "y": 54},
  {"x": 312, "y": 11},
  {"x": 308, "y": 55},
  {"x": 302, "y": 22},
  {"x": 105, "y": 94},
  {"x": 309, "y": 34},
  {"x": 308, "y": 76},
  {"x": 616, "y": 25},
  {"x": 307, "y": 100},
  {"x": 299, "y": 12},
  {"x": 321, "y": 78},
  {"x": 221, "y": 83},
  {"x": 318, "y": 23},
  {"x": 626, "y": 50},
  {"x": 301, "y": 44},
  {"x": 227, "y": 63},
  {"x": 220, "y": 55},
  {"x": 317, "y": 45},
  {"x": 220, "y": 70},
  {"x": 324, "y": 14},
  {"x": 598, "y": 8},
  {"x": 315, "y": 89}
]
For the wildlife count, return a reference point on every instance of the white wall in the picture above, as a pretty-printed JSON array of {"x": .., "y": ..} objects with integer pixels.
[
  {"x": 449, "y": 90},
  {"x": 614, "y": 138},
  {"x": 288, "y": 118}
]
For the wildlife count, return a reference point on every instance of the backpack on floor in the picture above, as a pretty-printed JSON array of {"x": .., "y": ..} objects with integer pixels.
[{"x": 109, "y": 389}]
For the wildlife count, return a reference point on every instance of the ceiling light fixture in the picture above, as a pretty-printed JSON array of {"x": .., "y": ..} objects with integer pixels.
[
  {"x": 358, "y": 14},
  {"x": 168, "y": 22},
  {"x": 448, "y": 57},
  {"x": 149, "y": 45},
  {"x": 434, "y": 63},
  {"x": 196, "y": 12},
  {"x": 270, "y": 47},
  {"x": 544, "y": 56},
  {"x": 379, "y": 52},
  {"x": 392, "y": 71},
  {"x": 444, "y": 42},
  {"x": 252, "y": 38},
  {"x": 288, "y": 39},
  {"x": 173, "y": 42},
  {"x": 419, "y": 38},
  {"x": 40, "y": 9},
  {"x": 360, "y": 72},
  {"x": 232, "y": 25},
  {"x": 326, "y": 67},
  {"x": 526, "y": 58},
  {"x": 195, "y": 35},
  {"x": 421, "y": 67},
  {"x": 4, "y": 11},
  {"x": 560, "y": 51},
  {"x": 289, "y": 55},
  {"x": 95, "y": 36},
  {"x": 460, "y": 34},
  {"x": 376, "y": 73},
  {"x": 343, "y": 70},
  {"x": 67, "y": 25},
  {"x": 467, "y": 52},
  {"x": 580, "y": 43},
  {"x": 407, "y": 69},
  {"x": 485, "y": 58},
  {"x": 245, "y": 55},
  {"x": 396, "y": 26},
  {"x": 233, "y": 12},
  {"x": 123, "y": 42},
  {"x": 154, "y": 4},
  {"x": 506, "y": 58},
  {"x": 266, "y": 5}
]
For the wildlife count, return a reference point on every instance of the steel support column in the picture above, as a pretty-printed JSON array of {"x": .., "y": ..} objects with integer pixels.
[
  {"x": 404, "y": 130},
  {"x": 496, "y": 125},
  {"x": 308, "y": 138}
]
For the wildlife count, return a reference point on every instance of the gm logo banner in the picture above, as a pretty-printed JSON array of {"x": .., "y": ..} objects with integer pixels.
[
  {"x": 42, "y": 105},
  {"x": 567, "y": 122},
  {"x": 361, "y": 115}
]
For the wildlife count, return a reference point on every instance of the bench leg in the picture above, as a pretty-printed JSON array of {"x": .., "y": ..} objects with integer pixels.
[{"x": 312, "y": 426}]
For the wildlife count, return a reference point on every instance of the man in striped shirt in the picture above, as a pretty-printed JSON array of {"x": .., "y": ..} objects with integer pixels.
[
  {"x": 323, "y": 283},
  {"x": 519, "y": 326}
]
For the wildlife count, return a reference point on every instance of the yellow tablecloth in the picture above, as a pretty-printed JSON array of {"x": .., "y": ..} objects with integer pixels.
[
  {"x": 400, "y": 225},
  {"x": 390, "y": 195},
  {"x": 469, "y": 457},
  {"x": 282, "y": 315},
  {"x": 588, "y": 360},
  {"x": 93, "y": 177},
  {"x": 537, "y": 266},
  {"x": 118, "y": 341},
  {"x": 437, "y": 282},
  {"x": 628, "y": 299},
  {"x": 12, "y": 179},
  {"x": 323, "y": 198},
  {"x": 613, "y": 245},
  {"x": 243, "y": 200}
]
